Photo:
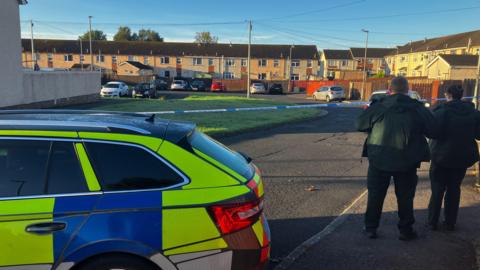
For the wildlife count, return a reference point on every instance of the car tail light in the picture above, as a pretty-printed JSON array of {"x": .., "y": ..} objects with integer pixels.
[{"x": 234, "y": 217}]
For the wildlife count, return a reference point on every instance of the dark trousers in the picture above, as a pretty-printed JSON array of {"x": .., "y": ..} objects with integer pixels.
[
  {"x": 405, "y": 186},
  {"x": 445, "y": 182}
]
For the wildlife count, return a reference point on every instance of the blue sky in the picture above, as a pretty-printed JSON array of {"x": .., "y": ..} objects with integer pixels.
[{"x": 328, "y": 24}]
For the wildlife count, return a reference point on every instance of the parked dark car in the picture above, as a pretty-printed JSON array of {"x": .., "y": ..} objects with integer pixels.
[
  {"x": 275, "y": 88},
  {"x": 198, "y": 85},
  {"x": 144, "y": 90},
  {"x": 160, "y": 84}
]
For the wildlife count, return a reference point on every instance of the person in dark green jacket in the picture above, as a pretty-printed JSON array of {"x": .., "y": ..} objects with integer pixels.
[
  {"x": 396, "y": 145},
  {"x": 452, "y": 153}
]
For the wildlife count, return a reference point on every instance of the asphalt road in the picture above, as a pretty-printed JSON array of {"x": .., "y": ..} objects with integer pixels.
[{"x": 312, "y": 171}]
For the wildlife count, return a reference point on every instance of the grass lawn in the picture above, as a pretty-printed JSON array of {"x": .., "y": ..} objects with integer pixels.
[{"x": 211, "y": 123}]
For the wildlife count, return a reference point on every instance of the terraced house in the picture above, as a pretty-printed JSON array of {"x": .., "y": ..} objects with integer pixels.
[
  {"x": 187, "y": 60},
  {"x": 414, "y": 59}
]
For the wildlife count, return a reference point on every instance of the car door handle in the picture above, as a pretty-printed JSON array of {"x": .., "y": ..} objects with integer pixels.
[{"x": 45, "y": 228}]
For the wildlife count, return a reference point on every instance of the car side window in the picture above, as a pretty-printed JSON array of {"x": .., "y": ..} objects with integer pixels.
[
  {"x": 23, "y": 167},
  {"x": 65, "y": 174},
  {"x": 124, "y": 167}
]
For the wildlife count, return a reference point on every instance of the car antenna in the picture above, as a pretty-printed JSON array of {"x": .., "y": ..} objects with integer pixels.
[{"x": 151, "y": 118}]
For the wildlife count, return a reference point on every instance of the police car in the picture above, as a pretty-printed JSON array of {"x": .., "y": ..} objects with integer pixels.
[{"x": 93, "y": 190}]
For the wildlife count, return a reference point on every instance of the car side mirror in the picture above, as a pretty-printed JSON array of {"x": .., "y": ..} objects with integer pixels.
[{"x": 246, "y": 157}]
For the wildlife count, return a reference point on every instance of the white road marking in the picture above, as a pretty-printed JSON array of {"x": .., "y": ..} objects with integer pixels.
[{"x": 307, "y": 244}]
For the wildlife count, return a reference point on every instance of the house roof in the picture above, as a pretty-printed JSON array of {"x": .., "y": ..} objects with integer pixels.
[
  {"x": 460, "y": 60},
  {"x": 337, "y": 54},
  {"x": 441, "y": 43},
  {"x": 371, "y": 52},
  {"x": 174, "y": 48},
  {"x": 138, "y": 65}
]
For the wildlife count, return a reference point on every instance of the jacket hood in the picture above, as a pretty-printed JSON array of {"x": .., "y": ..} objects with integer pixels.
[
  {"x": 458, "y": 107},
  {"x": 399, "y": 102}
]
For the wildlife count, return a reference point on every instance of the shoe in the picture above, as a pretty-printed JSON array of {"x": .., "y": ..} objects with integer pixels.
[
  {"x": 408, "y": 236},
  {"x": 372, "y": 234}
]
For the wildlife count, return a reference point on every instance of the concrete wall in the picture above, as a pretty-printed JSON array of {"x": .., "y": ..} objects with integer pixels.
[
  {"x": 10, "y": 51},
  {"x": 39, "y": 87}
]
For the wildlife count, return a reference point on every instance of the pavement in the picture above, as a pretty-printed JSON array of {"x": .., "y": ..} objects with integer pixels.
[{"x": 347, "y": 248}]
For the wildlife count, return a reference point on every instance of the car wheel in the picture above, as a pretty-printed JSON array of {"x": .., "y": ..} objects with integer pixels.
[{"x": 124, "y": 262}]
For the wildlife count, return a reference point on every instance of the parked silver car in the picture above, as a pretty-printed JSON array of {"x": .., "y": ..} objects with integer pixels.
[
  {"x": 258, "y": 88},
  {"x": 329, "y": 93},
  {"x": 179, "y": 85}
]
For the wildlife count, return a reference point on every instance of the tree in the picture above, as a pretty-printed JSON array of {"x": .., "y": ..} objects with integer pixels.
[
  {"x": 123, "y": 34},
  {"x": 96, "y": 35},
  {"x": 148, "y": 35},
  {"x": 205, "y": 38}
]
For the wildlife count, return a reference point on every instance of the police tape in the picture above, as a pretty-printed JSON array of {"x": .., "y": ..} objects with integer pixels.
[{"x": 281, "y": 107}]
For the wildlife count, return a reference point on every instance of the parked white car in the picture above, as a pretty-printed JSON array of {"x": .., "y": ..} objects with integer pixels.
[
  {"x": 379, "y": 94},
  {"x": 179, "y": 85},
  {"x": 114, "y": 89},
  {"x": 329, "y": 93},
  {"x": 258, "y": 88}
]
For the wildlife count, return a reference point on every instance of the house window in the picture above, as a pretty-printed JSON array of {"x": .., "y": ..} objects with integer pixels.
[
  {"x": 330, "y": 62},
  {"x": 344, "y": 63},
  {"x": 309, "y": 63},
  {"x": 276, "y": 63},
  {"x": 37, "y": 56},
  {"x": 100, "y": 58},
  {"x": 295, "y": 63},
  {"x": 262, "y": 62},
  {"x": 114, "y": 59},
  {"x": 262, "y": 76},
  {"x": 132, "y": 58},
  {"x": 164, "y": 60},
  {"x": 210, "y": 62},
  {"x": 228, "y": 75},
  {"x": 68, "y": 57},
  {"x": 196, "y": 61},
  {"x": 50, "y": 57},
  {"x": 229, "y": 62},
  {"x": 369, "y": 60},
  {"x": 82, "y": 58},
  {"x": 179, "y": 60},
  {"x": 453, "y": 52},
  {"x": 166, "y": 74},
  {"x": 145, "y": 60},
  {"x": 294, "y": 77},
  {"x": 244, "y": 62}
]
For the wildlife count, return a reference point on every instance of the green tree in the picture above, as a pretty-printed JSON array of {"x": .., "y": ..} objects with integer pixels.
[
  {"x": 148, "y": 35},
  {"x": 96, "y": 35},
  {"x": 205, "y": 38},
  {"x": 123, "y": 34}
]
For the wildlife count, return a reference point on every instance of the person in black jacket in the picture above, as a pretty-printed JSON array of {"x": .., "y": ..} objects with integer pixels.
[
  {"x": 452, "y": 153},
  {"x": 395, "y": 147}
]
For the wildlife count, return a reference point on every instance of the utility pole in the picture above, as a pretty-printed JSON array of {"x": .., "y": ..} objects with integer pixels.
[
  {"x": 364, "y": 65},
  {"x": 90, "y": 38},
  {"x": 249, "y": 56},
  {"x": 81, "y": 53},
  {"x": 290, "y": 69},
  {"x": 34, "y": 56}
]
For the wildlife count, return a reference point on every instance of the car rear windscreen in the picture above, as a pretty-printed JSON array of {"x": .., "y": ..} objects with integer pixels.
[
  {"x": 336, "y": 89},
  {"x": 221, "y": 154}
]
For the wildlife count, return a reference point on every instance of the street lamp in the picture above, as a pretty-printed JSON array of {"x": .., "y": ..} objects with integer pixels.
[
  {"x": 90, "y": 40},
  {"x": 365, "y": 64}
]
